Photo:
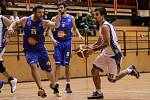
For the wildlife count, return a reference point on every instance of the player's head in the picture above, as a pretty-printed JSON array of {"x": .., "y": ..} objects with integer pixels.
[
  {"x": 38, "y": 11},
  {"x": 62, "y": 7},
  {"x": 100, "y": 14}
]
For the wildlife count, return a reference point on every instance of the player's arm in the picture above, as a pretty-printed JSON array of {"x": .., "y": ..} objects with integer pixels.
[
  {"x": 55, "y": 42},
  {"x": 47, "y": 30},
  {"x": 104, "y": 41},
  {"x": 53, "y": 20},
  {"x": 6, "y": 21},
  {"x": 56, "y": 22},
  {"x": 75, "y": 30},
  {"x": 16, "y": 24},
  {"x": 98, "y": 42}
]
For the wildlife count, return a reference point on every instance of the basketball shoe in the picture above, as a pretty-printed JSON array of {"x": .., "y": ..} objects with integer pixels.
[
  {"x": 96, "y": 95},
  {"x": 13, "y": 85},
  {"x": 68, "y": 89},
  {"x": 55, "y": 89},
  {"x": 134, "y": 71}
]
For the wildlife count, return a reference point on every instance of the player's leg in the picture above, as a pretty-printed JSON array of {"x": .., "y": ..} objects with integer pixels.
[
  {"x": 36, "y": 75},
  {"x": 98, "y": 66},
  {"x": 131, "y": 70},
  {"x": 37, "y": 79},
  {"x": 67, "y": 72},
  {"x": 58, "y": 61},
  {"x": 45, "y": 65},
  {"x": 32, "y": 60},
  {"x": 12, "y": 81},
  {"x": 1, "y": 85},
  {"x": 66, "y": 62},
  {"x": 114, "y": 69},
  {"x": 114, "y": 72},
  {"x": 97, "y": 94},
  {"x": 96, "y": 77},
  {"x": 57, "y": 74}
]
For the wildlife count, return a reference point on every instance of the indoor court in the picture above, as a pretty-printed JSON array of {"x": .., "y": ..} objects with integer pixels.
[
  {"x": 128, "y": 88},
  {"x": 130, "y": 21}
]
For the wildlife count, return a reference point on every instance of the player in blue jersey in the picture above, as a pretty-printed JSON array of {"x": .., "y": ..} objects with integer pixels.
[
  {"x": 34, "y": 28},
  {"x": 4, "y": 23},
  {"x": 63, "y": 36}
]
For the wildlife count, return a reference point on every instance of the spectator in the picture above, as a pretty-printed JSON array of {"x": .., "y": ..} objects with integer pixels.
[
  {"x": 79, "y": 21},
  {"x": 12, "y": 2},
  {"x": 14, "y": 17},
  {"x": 88, "y": 20},
  {"x": 46, "y": 16},
  {"x": 3, "y": 6}
]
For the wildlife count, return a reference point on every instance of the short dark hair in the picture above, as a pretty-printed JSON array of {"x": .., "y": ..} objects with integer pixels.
[
  {"x": 102, "y": 11},
  {"x": 62, "y": 3},
  {"x": 37, "y": 7}
]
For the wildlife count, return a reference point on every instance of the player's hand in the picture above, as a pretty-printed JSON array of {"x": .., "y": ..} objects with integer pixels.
[
  {"x": 81, "y": 37},
  {"x": 59, "y": 14},
  {"x": 89, "y": 52},
  {"x": 10, "y": 32},
  {"x": 55, "y": 42}
]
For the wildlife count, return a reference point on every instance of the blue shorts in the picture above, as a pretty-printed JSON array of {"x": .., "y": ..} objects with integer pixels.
[
  {"x": 62, "y": 53},
  {"x": 41, "y": 58}
]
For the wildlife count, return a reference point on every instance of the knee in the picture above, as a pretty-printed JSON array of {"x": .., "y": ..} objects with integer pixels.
[
  {"x": 95, "y": 71},
  {"x": 47, "y": 68},
  {"x": 2, "y": 68},
  {"x": 67, "y": 67},
  {"x": 33, "y": 70}
]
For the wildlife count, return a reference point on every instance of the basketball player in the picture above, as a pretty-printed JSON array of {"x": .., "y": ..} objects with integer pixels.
[
  {"x": 34, "y": 28},
  {"x": 4, "y": 23},
  {"x": 1, "y": 85},
  {"x": 63, "y": 36},
  {"x": 110, "y": 56}
]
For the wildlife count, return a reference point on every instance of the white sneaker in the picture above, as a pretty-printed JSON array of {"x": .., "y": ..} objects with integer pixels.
[
  {"x": 13, "y": 84},
  {"x": 134, "y": 71}
]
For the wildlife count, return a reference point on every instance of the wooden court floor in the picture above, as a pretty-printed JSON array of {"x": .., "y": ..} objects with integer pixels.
[{"x": 129, "y": 88}]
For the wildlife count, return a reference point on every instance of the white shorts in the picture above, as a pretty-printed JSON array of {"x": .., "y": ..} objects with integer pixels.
[
  {"x": 1, "y": 54},
  {"x": 111, "y": 65}
]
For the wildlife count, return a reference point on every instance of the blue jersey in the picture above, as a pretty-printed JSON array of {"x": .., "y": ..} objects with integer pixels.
[
  {"x": 2, "y": 33},
  {"x": 33, "y": 29},
  {"x": 64, "y": 32}
]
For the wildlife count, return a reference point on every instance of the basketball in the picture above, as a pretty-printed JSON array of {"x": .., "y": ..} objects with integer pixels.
[
  {"x": 82, "y": 50},
  {"x": 42, "y": 93}
]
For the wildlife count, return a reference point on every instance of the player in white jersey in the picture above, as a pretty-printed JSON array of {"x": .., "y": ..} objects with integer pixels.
[
  {"x": 110, "y": 57},
  {"x": 4, "y": 23}
]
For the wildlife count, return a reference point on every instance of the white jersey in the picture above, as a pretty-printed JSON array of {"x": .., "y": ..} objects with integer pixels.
[
  {"x": 12, "y": 18},
  {"x": 2, "y": 31},
  {"x": 114, "y": 47}
]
